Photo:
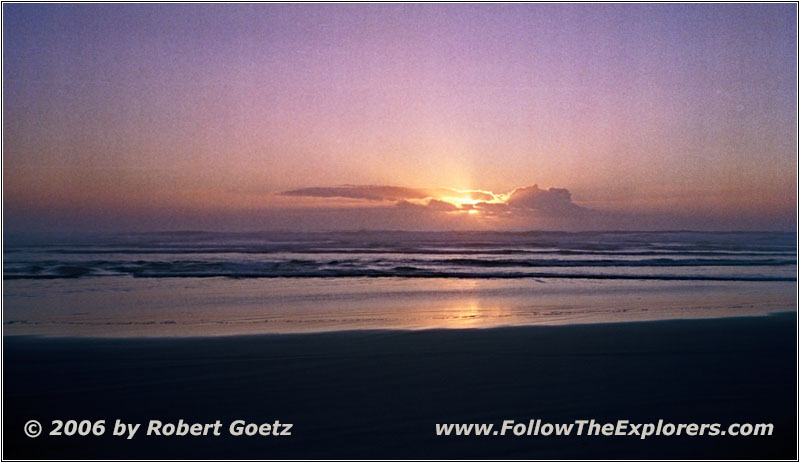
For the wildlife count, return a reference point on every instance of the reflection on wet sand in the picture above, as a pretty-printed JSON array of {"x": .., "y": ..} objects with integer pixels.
[{"x": 219, "y": 306}]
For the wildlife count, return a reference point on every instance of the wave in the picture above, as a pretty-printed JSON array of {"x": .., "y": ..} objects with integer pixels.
[
  {"x": 602, "y": 255},
  {"x": 417, "y": 273},
  {"x": 663, "y": 262},
  {"x": 407, "y": 251},
  {"x": 408, "y": 268}
]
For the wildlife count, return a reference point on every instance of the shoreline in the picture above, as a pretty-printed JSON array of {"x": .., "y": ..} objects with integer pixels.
[
  {"x": 355, "y": 332},
  {"x": 201, "y": 307}
]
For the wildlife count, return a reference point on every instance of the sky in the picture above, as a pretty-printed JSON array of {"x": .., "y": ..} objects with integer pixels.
[{"x": 399, "y": 116}]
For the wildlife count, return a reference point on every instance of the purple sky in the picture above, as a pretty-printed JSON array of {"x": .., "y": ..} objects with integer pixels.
[{"x": 162, "y": 116}]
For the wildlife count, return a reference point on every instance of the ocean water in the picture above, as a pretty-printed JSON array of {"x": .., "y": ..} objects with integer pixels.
[{"x": 201, "y": 283}]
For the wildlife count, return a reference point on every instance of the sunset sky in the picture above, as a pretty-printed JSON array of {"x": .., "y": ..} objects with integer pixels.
[{"x": 324, "y": 116}]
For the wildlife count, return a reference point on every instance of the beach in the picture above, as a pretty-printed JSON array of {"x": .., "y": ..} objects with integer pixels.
[{"x": 380, "y": 393}]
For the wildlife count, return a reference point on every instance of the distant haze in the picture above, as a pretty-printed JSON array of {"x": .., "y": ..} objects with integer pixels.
[{"x": 391, "y": 116}]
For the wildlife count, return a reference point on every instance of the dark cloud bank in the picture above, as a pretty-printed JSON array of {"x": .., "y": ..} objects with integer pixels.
[
  {"x": 556, "y": 202},
  {"x": 379, "y": 207}
]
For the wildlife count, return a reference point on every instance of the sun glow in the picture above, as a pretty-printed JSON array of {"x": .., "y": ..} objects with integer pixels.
[
  {"x": 470, "y": 201},
  {"x": 460, "y": 201},
  {"x": 473, "y": 197}
]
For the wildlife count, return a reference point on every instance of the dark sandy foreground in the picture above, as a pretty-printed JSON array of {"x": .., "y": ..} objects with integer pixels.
[{"x": 378, "y": 394}]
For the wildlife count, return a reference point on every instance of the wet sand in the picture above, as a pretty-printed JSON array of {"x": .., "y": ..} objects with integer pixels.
[
  {"x": 186, "y": 307},
  {"x": 379, "y": 394}
]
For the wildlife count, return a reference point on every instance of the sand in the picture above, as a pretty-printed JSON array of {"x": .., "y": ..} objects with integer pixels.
[
  {"x": 379, "y": 394},
  {"x": 172, "y": 307}
]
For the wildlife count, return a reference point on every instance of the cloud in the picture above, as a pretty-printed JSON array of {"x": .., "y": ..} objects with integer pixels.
[
  {"x": 430, "y": 205},
  {"x": 367, "y": 192},
  {"x": 554, "y": 201},
  {"x": 392, "y": 193},
  {"x": 441, "y": 205},
  {"x": 526, "y": 204},
  {"x": 492, "y": 208}
]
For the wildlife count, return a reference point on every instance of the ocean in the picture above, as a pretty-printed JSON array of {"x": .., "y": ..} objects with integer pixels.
[{"x": 204, "y": 283}]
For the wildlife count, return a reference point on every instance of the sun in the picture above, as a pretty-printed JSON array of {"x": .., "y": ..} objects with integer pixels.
[
  {"x": 460, "y": 201},
  {"x": 469, "y": 202}
]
